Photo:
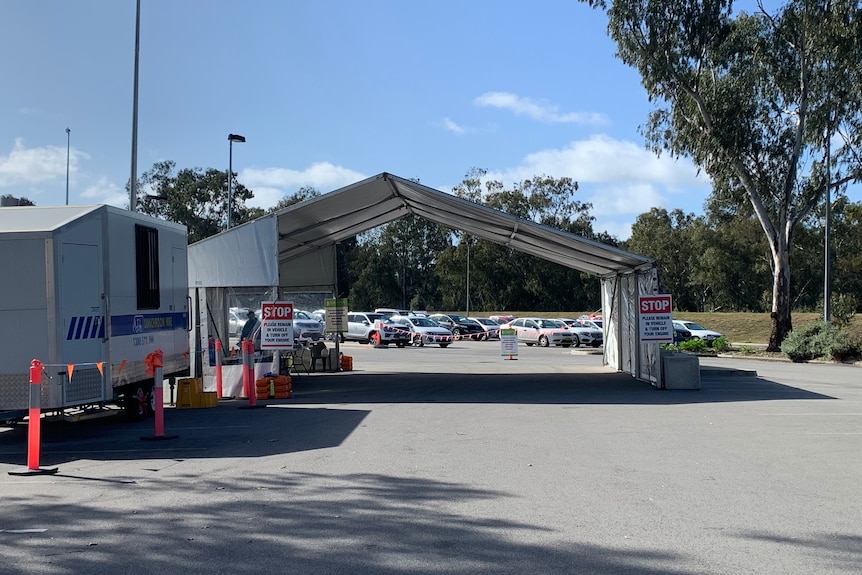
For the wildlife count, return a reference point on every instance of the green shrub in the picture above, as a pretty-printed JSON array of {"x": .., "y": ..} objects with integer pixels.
[
  {"x": 721, "y": 344},
  {"x": 694, "y": 345},
  {"x": 819, "y": 340},
  {"x": 843, "y": 309}
]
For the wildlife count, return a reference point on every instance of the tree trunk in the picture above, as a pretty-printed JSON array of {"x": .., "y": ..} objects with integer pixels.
[{"x": 781, "y": 323}]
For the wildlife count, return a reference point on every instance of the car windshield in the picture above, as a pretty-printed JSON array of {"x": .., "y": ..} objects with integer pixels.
[
  {"x": 458, "y": 318},
  {"x": 394, "y": 321},
  {"x": 551, "y": 323},
  {"x": 423, "y": 322},
  {"x": 486, "y": 321},
  {"x": 692, "y": 325},
  {"x": 298, "y": 314}
]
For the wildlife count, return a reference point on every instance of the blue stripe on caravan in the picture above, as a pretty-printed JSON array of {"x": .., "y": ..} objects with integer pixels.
[
  {"x": 80, "y": 327},
  {"x": 71, "y": 332},
  {"x": 96, "y": 323},
  {"x": 85, "y": 333}
]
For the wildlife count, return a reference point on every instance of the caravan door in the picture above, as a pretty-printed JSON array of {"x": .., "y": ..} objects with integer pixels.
[{"x": 83, "y": 328}]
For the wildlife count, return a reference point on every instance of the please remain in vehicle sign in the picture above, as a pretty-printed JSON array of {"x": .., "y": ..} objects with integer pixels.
[
  {"x": 656, "y": 318},
  {"x": 276, "y": 325}
]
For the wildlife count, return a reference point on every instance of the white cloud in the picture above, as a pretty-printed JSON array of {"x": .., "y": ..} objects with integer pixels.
[
  {"x": 322, "y": 176},
  {"x": 540, "y": 111},
  {"x": 106, "y": 192},
  {"x": 265, "y": 197},
  {"x": 453, "y": 127},
  {"x": 602, "y": 159},
  {"x": 619, "y": 178},
  {"x": 36, "y": 165}
]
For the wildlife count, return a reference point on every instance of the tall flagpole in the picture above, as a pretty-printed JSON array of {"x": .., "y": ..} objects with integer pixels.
[{"x": 133, "y": 180}]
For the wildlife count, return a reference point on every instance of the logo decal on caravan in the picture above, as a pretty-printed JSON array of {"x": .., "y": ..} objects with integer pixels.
[{"x": 86, "y": 327}]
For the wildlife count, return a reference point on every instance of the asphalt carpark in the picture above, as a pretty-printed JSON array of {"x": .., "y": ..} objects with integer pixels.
[{"x": 459, "y": 460}]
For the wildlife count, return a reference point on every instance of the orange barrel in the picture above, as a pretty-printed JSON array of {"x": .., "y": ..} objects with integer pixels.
[{"x": 347, "y": 363}]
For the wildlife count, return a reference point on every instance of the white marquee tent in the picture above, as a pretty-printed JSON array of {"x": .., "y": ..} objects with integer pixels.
[{"x": 293, "y": 251}]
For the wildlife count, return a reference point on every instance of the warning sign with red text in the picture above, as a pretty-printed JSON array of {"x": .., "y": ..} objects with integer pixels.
[
  {"x": 656, "y": 318},
  {"x": 276, "y": 325}
]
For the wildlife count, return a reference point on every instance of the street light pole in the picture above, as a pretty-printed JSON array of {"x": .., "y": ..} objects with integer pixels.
[
  {"x": 68, "y": 141},
  {"x": 468, "y": 275},
  {"x": 231, "y": 138},
  {"x": 133, "y": 180}
]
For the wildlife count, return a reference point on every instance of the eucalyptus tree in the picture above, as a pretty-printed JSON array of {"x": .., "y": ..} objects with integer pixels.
[
  {"x": 193, "y": 197},
  {"x": 302, "y": 194},
  {"x": 665, "y": 236},
  {"x": 768, "y": 104}
]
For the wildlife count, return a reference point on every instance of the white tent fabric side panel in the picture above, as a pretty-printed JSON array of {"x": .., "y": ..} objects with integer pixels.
[
  {"x": 309, "y": 272},
  {"x": 611, "y": 318},
  {"x": 245, "y": 256},
  {"x": 623, "y": 350},
  {"x": 650, "y": 355}
]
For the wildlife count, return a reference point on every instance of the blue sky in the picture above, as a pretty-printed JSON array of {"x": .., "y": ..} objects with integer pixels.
[{"x": 328, "y": 93}]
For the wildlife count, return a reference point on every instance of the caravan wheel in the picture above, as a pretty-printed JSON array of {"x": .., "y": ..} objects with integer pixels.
[{"x": 139, "y": 402}]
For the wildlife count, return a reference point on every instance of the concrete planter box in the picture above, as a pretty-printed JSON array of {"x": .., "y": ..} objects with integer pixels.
[{"x": 680, "y": 371}]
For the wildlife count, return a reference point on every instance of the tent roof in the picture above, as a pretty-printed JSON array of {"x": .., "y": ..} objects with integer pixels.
[{"x": 346, "y": 212}]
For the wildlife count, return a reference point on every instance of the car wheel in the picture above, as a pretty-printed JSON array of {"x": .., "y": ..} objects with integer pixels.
[
  {"x": 456, "y": 332},
  {"x": 576, "y": 341},
  {"x": 444, "y": 345},
  {"x": 543, "y": 341},
  {"x": 418, "y": 340},
  {"x": 399, "y": 344}
]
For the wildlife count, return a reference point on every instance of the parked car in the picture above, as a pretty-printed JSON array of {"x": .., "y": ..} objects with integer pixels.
[
  {"x": 390, "y": 311},
  {"x": 459, "y": 325},
  {"x": 697, "y": 331},
  {"x": 680, "y": 333},
  {"x": 365, "y": 327},
  {"x": 307, "y": 329},
  {"x": 425, "y": 330},
  {"x": 584, "y": 331},
  {"x": 236, "y": 317},
  {"x": 491, "y": 327},
  {"x": 541, "y": 331},
  {"x": 592, "y": 323}
]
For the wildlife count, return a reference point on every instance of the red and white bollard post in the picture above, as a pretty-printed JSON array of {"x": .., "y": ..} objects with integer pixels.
[
  {"x": 218, "y": 374},
  {"x": 155, "y": 365},
  {"x": 248, "y": 374},
  {"x": 248, "y": 358},
  {"x": 34, "y": 423}
]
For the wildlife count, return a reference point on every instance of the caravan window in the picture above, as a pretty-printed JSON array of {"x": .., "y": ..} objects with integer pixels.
[{"x": 147, "y": 266}]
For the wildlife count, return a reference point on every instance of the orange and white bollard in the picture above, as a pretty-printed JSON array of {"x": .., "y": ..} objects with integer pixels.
[
  {"x": 248, "y": 374},
  {"x": 218, "y": 373},
  {"x": 155, "y": 364},
  {"x": 34, "y": 422},
  {"x": 248, "y": 383}
]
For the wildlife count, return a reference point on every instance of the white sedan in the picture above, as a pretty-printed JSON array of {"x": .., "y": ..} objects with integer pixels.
[
  {"x": 697, "y": 330},
  {"x": 425, "y": 330}
]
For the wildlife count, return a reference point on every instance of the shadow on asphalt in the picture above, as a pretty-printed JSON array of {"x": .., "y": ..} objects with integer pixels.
[
  {"x": 546, "y": 388},
  {"x": 360, "y": 524},
  {"x": 286, "y": 426}
]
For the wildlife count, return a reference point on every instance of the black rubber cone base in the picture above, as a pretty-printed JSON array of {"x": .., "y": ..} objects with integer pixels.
[
  {"x": 158, "y": 437},
  {"x": 39, "y": 471}
]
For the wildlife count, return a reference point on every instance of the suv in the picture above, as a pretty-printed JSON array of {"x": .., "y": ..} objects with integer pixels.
[
  {"x": 365, "y": 327},
  {"x": 459, "y": 325}
]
